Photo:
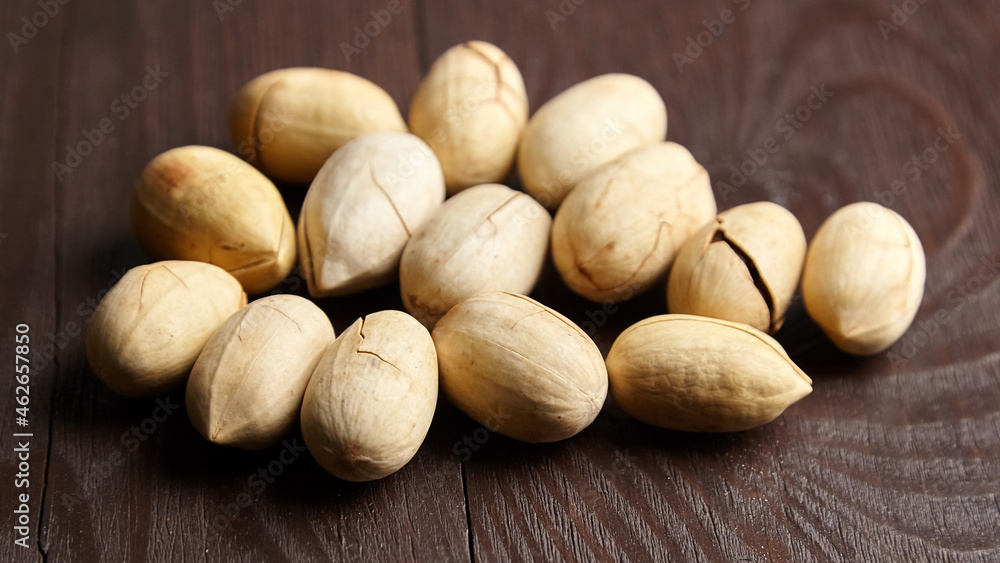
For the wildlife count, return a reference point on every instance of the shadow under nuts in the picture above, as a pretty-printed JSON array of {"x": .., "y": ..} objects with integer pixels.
[
  {"x": 864, "y": 277},
  {"x": 585, "y": 126},
  {"x": 361, "y": 210},
  {"x": 201, "y": 203},
  {"x": 246, "y": 387},
  {"x": 148, "y": 330},
  {"x": 702, "y": 375},
  {"x": 743, "y": 267},
  {"x": 288, "y": 122},
  {"x": 486, "y": 238},
  {"x": 520, "y": 368},
  {"x": 618, "y": 231},
  {"x": 372, "y": 397},
  {"x": 470, "y": 109}
]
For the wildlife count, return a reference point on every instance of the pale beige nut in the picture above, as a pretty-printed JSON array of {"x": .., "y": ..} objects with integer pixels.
[
  {"x": 201, "y": 203},
  {"x": 702, "y": 375},
  {"x": 247, "y": 385},
  {"x": 486, "y": 238},
  {"x": 618, "y": 231},
  {"x": 742, "y": 267},
  {"x": 864, "y": 277},
  {"x": 520, "y": 368},
  {"x": 361, "y": 210},
  {"x": 372, "y": 397},
  {"x": 470, "y": 109},
  {"x": 148, "y": 330},
  {"x": 288, "y": 122},
  {"x": 584, "y": 127}
]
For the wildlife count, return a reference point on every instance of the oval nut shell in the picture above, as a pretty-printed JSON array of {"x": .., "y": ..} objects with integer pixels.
[
  {"x": 247, "y": 385},
  {"x": 618, "y": 231},
  {"x": 361, "y": 210},
  {"x": 287, "y": 122},
  {"x": 702, "y": 375},
  {"x": 372, "y": 397},
  {"x": 486, "y": 238},
  {"x": 585, "y": 126},
  {"x": 742, "y": 267},
  {"x": 519, "y": 367},
  {"x": 201, "y": 203},
  {"x": 864, "y": 277},
  {"x": 470, "y": 108},
  {"x": 148, "y": 330}
]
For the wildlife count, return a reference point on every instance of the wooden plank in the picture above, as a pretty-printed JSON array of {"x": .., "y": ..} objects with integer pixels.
[
  {"x": 131, "y": 479},
  {"x": 892, "y": 457},
  {"x": 29, "y": 64}
]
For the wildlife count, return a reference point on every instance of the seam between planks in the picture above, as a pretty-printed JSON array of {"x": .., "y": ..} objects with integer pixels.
[
  {"x": 468, "y": 514},
  {"x": 57, "y": 310}
]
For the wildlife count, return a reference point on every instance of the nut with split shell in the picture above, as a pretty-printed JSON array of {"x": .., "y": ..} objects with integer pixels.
[
  {"x": 699, "y": 374},
  {"x": 148, "y": 330},
  {"x": 247, "y": 385},
  {"x": 742, "y": 267},
  {"x": 864, "y": 277}
]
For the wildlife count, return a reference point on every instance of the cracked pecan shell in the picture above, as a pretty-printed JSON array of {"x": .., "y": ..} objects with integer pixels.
[
  {"x": 371, "y": 399},
  {"x": 361, "y": 209},
  {"x": 202, "y": 203},
  {"x": 618, "y": 231},
  {"x": 148, "y": 330},
  {"x": 246, "y": 387},
  {"x": 470, "y": 109},
  {"x": 742, "y": 267},
  {"x": 486, "y": 238}
]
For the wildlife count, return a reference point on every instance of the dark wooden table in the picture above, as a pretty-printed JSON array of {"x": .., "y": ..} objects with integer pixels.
[{"x": 892, "y": 458}]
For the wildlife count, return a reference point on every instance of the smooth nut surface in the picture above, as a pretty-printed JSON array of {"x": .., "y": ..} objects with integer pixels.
[
  {"x": 148, "y": 330},
  {"x": 864, "y": 277},
  {"x": 702, "y": 375},
  {"x": 288, "y": 122},
  {"x": 486, "y": 238},
  {"x": 470, "y": 109},
  {"x": 372, "y": 397},
  {"x": 520, "y": 368},
  {"x": 587, "y": 125},
  {"x": 618, "y": 231},
  {"x": 742, "y": 267},
  {"x": 246, "y": 387},
  {"x": 361, "y": 209},
  {"x": 201, "y": 203}
]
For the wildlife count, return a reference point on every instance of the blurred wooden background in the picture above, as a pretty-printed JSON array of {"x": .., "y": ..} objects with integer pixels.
[{"x": 892, "y": 458}]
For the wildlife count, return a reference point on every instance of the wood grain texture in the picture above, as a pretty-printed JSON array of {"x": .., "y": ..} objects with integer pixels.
[
  {"x": 892, "y": 458},
  {"x": 28, "y": 231},
  {"x": 124, "y": 485}
]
